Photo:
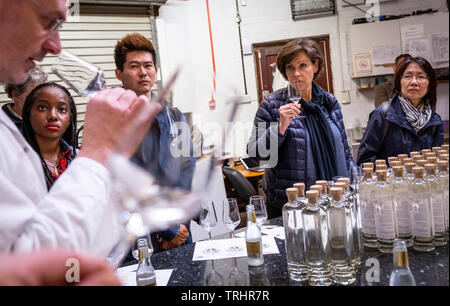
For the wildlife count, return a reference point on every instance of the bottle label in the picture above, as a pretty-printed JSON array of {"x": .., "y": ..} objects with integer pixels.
[
  {"x": 402, "y": 259},
  {"x": 438, "y": 213},
  {"x": 402, "y": 209},
  {"x": 384, "y": 220},
  {"x": 253, "y": 249},
  {"x": 367, "y": 217},
  {"x": 421, "y": 219}
]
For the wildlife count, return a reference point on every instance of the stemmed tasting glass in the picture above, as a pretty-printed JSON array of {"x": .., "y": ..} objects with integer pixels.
[
  {"x": 214, "y": 278},
  {"x": 237, "y": 277},
  {"x": 231, "y": 218},
  {"x": 260, "y": 209},
  {"x": 208, "y": 219},
  {"x": 294, "y": 96}
]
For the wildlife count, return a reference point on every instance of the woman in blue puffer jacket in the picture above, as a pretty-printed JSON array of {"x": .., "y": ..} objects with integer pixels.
[
  {"x": 408, "y": 121},
  {"x": 301, "y": 142}
]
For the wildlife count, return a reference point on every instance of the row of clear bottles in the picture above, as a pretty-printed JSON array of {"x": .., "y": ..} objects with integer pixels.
[{"x": 413, "y": 207}]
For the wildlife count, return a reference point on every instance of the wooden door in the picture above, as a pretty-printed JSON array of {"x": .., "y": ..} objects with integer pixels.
[{"x": 265, "y": 55}]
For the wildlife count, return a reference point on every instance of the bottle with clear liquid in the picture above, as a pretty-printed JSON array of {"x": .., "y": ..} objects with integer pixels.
[
  {"x": 145, "y": 273},
  {"x": 301, "y": 193},
  {"x": 368, "y": 233},
  {"x": 421, "y": 213},
  {"x": 320, "y": 200},
  {"x": 293, "y": 228},
  {"x": 401, "y": 274},
  {"x": 409, "y": 177},
  {"x": 443, "y": 178},
  {"x": 315, "y": 231},
  {"x": 437, "y": 204},
  {"x": 253, "y": 239},
  {"x": 385, "y": 224},
  {"x": 340, "y": 233},
  {"x": 350, "y": 200},
  {"x": 325, "y": 196},
  {"x": 402, "y": 205}
]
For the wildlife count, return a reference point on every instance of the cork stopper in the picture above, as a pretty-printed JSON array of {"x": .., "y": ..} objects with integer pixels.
[
  {"x": 344, "y": 179},
  {"x": 418, "y": 172},
  {"x": 380, "y": 161},
  {"x": 443, "y": 157},
  {"x": 435, "y": 149},
  {"x": 445, "y": 146},
  {"x": 300, "y": 189},
  {"x": 442, "y": 165},
  {"x": 368, "y": 165},
  {"x": 407, "y": 160},
  {"x": 323, "y": 183},
  {"x": 414, "y": 153},
  {"x": 392, "y": 158},
  {"x": 367, "y": 172},
  {"x": 312, "y": 196},
  {"x": 432, "y": 160},
  {"x": 381, "y": 167},
  {"x": 402, "y": 156},
  {"x": 336, "y": 193},
  {"x": 381, "y": 175},
  {"x": 430, "y": 169},
  {"x": 342, "y": 185},
  {"x": 395, "y": 164},
  {"x": 319, "y": 188},
  {"x": 409, "y": 167},
  {"x": 417, "y": 157},
  {"x": 421, "y": 163},
  {"x": 425, "y": 151},
  {"x": 430, "y": 154},
  {"x": 398, "y": 171},
  {"x": 291, "y": 194},
  {"x": 440, "y": 152}
]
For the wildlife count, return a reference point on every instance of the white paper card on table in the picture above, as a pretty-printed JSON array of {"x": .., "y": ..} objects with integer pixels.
[
  {"x": 269, "y": 245},
  {"x": 277, "y": 232},
  {"x": 223, "y": 248},
  {"x": 127, "y": 276}
]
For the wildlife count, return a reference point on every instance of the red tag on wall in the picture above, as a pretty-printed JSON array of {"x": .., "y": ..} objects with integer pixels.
[{"x": 212, "y": 104}]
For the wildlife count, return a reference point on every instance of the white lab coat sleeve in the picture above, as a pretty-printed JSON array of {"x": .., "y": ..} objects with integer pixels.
[{"x": 71, "y": 214}]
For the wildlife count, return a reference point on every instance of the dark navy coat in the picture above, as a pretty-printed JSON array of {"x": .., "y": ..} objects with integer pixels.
[
  {"x": 290, "y": 167},
  {"x": 401, "y": 138}
]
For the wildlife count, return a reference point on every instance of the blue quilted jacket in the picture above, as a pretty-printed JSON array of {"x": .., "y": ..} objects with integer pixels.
[{"x": 290, "y": 167}]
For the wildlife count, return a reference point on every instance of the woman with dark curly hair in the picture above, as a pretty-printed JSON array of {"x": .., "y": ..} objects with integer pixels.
[
  {"x": 309, "y": 147},
  {"x": 49, "y": 125}
]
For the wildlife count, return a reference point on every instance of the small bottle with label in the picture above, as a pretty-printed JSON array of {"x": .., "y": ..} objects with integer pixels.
[
  {"x": 340, "y": 233},
  {"x": 369, "y": 235},
  {"x": 293, "y": 228},
  {"x": 253, "y": 239},
  {"x": 421, "y": 213},
  {"x": 317, "y": 252},
  {"x": 437, "y": 204},
  {"x": 443, "y": 178},
  {"x": 401, "y": 274},
  {"x": 145, "y": 273},
  {"x": 402, "y": 205},
  {"x": 385, "y": 224}
]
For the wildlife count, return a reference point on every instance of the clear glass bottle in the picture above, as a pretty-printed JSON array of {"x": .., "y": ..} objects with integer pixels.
[
  {"x": 409, "y": 177},
  {"x": 437, "y": 204},
  {"x": 421, "y": 213},
  {"x": 443, "y": 178},
  {"x": 342, "y": 244},
  {"x": 145, "y": 273},
  {"x": 321, "y": 201},
  {"x": 253, "y": 239},
  {"x": 315, "y": 231},
  {"x": 325, "y": 196},
  {"x": 293, "y": 228},
  {"x": 350, "y": 199},
  {"x": 402, "y": 205},
  {"x": 401, "y": 274},
  {"x": 301, "y": 193},
  {"x": 368, "y": 233},
  {"x": 385, "y": 224}
]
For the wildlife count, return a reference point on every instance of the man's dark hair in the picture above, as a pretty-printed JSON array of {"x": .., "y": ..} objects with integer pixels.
[{"x": 132, "y": 42}]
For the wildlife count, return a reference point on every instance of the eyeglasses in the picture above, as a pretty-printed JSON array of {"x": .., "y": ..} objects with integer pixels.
[{"x": 420, "y": 78}]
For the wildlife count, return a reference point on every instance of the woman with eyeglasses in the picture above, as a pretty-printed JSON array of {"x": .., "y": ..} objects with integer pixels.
[{"x": 408, "y": 121}]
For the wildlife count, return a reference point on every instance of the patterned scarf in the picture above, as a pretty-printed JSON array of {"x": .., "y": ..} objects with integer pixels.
[{"x": 417, "y": 117}]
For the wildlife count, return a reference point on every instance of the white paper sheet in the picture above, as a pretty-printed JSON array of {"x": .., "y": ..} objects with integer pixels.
[
  {"x": 223, "y": 248},
  {"x": 385, "y": 54},
  {"x": 127, "y": 276},
  {"x": 277, "y": 232},
  {"x": 439, "y": 47}
]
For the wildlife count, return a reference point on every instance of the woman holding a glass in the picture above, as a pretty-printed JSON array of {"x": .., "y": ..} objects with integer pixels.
[{"x": 311, "y": 140}]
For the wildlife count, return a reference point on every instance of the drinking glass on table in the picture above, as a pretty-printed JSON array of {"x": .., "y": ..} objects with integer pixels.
[
  {"x": 231, "y": 218},
  {"x": 260, "y": 209},
  {"x": 208, "y": 219}
]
